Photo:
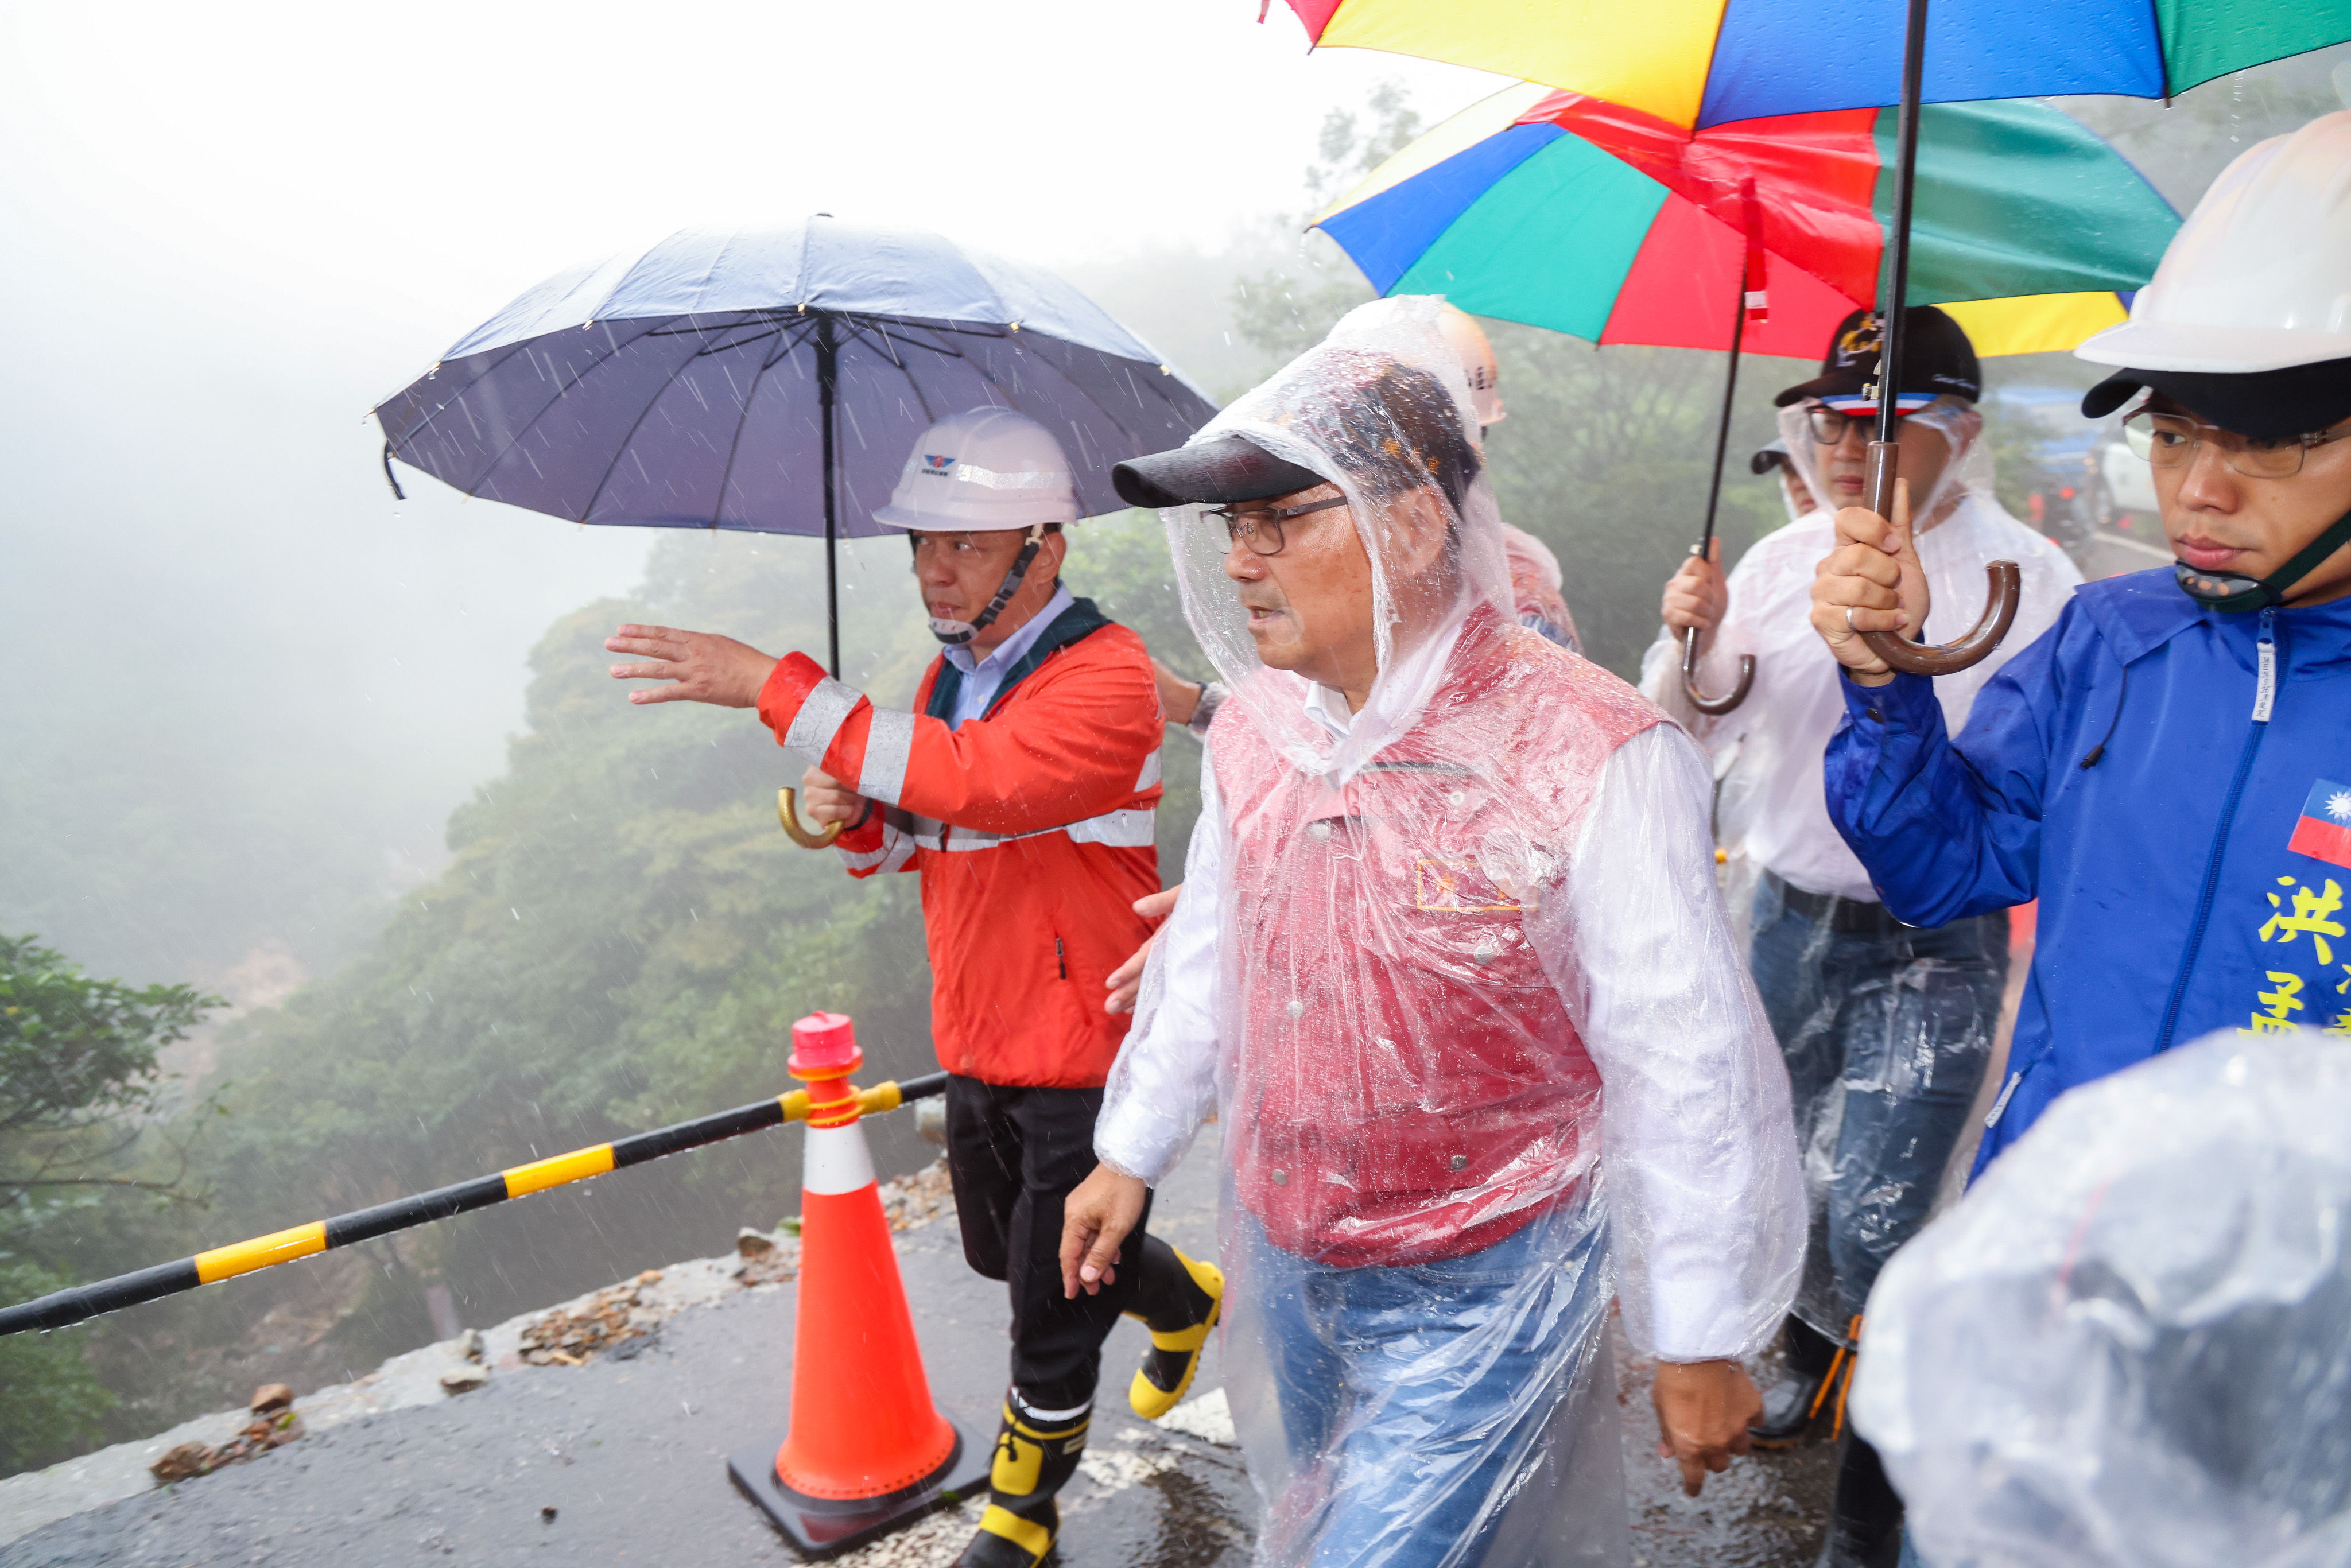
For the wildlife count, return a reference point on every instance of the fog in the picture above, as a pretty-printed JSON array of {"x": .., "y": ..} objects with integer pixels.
[
  {"x": 253, "y": 684},
  {"x": 353, "y": 762}
]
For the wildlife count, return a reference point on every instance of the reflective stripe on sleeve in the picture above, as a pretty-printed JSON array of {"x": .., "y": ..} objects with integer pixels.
[
  {"x": 897, "y": 849},
  {"x": 1150, "y": 774},
  {"x": 827, "y": 709},
  {"x": 887, "y": 746}
]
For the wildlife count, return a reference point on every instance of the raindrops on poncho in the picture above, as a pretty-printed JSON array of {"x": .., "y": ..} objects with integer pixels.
[
  {"x": 2130, "y": 1345},
  {"x": 1452, "y": 968}
]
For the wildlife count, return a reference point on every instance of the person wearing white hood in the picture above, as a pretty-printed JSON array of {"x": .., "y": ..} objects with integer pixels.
[
  {"x": 1887, "y": 1029},
  {"x": 1418, "y": 969},
  {"x": 1538, "y": 588}
]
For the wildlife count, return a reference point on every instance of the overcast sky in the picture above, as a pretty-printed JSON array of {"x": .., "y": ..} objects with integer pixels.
[
  {"x": 438, "y": 156},
  {"x": 227, "y": 229}
]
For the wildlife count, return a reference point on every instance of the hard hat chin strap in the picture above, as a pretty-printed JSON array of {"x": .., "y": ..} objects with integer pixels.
[
  {"x": 955, "y": 633},
  {"x": 2234, "y": 593}
]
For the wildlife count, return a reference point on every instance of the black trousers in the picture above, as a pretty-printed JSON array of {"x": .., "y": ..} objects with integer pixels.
[{"x": 1014, "y": 1154}]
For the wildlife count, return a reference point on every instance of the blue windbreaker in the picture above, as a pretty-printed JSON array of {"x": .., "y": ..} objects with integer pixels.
[{"x": 2189, "y": 851}]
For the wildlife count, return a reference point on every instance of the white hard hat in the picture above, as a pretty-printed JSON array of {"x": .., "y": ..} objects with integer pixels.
[
  {"x": 981, "y": 471},
  {"x": 1467, "y": 338},
  {"x": 2259, "y": 277}
]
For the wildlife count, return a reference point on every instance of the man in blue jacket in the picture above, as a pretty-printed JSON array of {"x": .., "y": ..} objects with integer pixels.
[{"x": 2168, "y": 768}]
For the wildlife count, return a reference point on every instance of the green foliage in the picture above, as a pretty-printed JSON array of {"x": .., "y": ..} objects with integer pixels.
[
  {"x": 51, "y": 1403},
  {"x": 76, "y": 1053},
  {"x": 78, "y": 1083}
]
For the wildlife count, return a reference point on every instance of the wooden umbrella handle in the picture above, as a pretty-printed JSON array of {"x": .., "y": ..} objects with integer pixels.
[
  {"x": 1712, "y": 707},
  {"x": 787, "y": 813},
  {"x": 2004, "y": 586}
]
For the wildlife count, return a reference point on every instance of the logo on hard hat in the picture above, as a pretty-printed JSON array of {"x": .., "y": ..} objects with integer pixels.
[{"x": 934, "y": 463}]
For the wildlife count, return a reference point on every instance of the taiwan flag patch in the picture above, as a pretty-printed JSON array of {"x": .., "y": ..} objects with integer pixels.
[{"x": 2323, "y": 831}]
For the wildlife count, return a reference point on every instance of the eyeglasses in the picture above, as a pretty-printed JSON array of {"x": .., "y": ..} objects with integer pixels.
[
  {"x": 2169, "y": 441},
  {"x": 1829, "y": 426},
  {"x": 1260, "y": 528}
]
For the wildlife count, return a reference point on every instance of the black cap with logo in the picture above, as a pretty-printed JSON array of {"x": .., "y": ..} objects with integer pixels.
[{"x": 1937, "y": 360}]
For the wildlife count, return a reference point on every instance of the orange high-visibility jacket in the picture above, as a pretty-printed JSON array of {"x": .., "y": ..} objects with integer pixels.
[{"x": 1033, "y": 829}]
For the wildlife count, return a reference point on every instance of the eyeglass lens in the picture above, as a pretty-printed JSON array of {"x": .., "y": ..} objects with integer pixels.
[{"x": 2170, "y": 440}]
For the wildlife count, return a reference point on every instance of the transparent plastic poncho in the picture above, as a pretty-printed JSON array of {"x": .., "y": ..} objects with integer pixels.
[
  {"x": 1884, "y": 1070},
  {"x": 1452, "y": 972},
  {"x": 2129, "y": 1346}
]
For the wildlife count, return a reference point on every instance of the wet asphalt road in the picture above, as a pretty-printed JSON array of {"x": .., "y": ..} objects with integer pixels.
[{"x": 631, "y": 1458}]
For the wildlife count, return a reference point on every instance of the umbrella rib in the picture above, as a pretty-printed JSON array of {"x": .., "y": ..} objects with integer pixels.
[
  {"x": 512, "y": 441},
  {"x": 621, "y": 450},
  {"x": 889, "y": 343},
  {"x": 727, "y": 475},
  {"x": 504, "y": 355}
]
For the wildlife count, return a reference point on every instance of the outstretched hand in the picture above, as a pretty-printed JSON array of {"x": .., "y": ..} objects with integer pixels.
[
  {"x": 1125, "y": 982},
  {"x": 704, "y": 666},
  {"x": 1096, "y": 1220},
  {"x": 1704, "y": 1409},
  {"x": 1871, "y": 583}
]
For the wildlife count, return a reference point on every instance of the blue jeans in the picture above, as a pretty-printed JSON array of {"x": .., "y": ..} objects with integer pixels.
[
  {"x": 1886, "y": 1039},
  {"x": 1416, "y": 1401}
]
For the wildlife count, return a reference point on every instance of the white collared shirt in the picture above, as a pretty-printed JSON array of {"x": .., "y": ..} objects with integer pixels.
[{"x": 982, "y": 677}]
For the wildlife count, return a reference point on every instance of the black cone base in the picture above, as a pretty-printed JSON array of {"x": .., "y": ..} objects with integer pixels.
[{"x": 821, "y": 1527}]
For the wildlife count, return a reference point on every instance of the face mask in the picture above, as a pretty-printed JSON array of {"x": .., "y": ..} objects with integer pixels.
[{"x": 955, "y": 633}]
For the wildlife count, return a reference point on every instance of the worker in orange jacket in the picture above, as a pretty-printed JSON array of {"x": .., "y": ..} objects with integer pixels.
[{"x": 1022, "y": 788}]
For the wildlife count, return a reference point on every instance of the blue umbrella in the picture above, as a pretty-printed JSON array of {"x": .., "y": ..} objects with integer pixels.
[{"x": 774, "y": 381}]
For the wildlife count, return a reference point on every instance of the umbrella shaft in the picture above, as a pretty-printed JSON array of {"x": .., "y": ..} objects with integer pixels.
[
  {"x": 828, "y": 379},
  {"x": 1893, "y": 297},
  {"x": 1729, "y": 396}
]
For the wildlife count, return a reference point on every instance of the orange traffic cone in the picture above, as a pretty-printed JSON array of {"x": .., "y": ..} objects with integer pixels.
[{"x": 867, "y": 1449}]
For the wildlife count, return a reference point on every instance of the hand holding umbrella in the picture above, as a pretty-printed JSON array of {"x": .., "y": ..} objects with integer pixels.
[{"x": 1871, "y": 592}]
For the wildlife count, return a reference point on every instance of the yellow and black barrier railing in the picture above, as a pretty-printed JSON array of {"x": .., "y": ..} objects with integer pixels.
[{"x": 82, "y": 1301}]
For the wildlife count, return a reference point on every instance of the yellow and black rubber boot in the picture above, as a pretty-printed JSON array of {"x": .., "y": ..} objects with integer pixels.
[
  {"x": 1034, "y": 1460},
  {"x": 1185, "y": 1296}
]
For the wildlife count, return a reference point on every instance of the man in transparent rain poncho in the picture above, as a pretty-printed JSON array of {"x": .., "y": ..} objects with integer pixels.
[
  {"x": 1887, "y": 1027},
  {"x": 1451, "y": 969}
]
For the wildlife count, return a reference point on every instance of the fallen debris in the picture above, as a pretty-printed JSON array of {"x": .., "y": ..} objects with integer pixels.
[
  {"x": 914, "y": 1200},
  {"x": 465, "y": 1379},
  {"x": 273, "y": 1430},
  {"x": 568, "y": 1336}
]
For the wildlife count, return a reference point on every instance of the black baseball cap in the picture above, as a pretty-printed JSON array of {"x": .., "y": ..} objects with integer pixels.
[
  {"x": 1767, "y": 458},
  {"x": 1215, "y": 473},
  {"x": 1937, "y": 360},
  {"x": 2268, "y": 405},
  {"x": 1378, "y": 417}
]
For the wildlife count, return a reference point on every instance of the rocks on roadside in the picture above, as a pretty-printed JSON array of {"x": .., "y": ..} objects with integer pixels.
[
  {"x": 911, "y": 1201},
  {"x": 570, "y": 1336},
  {"x": 274, "y": 1425},
  {"x": 463, "y": 1379}
]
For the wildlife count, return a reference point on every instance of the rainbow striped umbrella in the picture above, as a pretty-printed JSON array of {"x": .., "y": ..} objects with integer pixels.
[
  {"x": 1707, "y": 62},
  {"x": 1702, "y": 63},
  {"x": 1562, "y": 210}
]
